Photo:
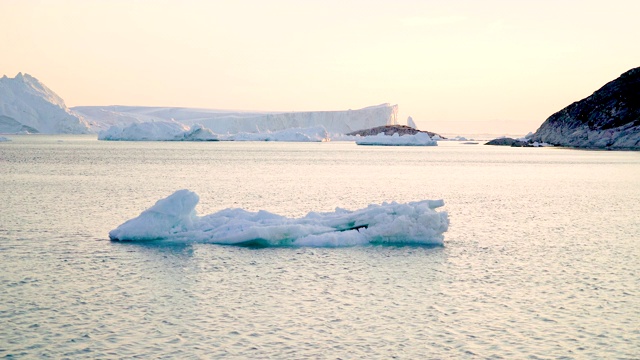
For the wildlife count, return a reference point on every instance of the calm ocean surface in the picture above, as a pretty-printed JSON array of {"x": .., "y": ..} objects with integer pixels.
[{"x": 541, "y": 260}]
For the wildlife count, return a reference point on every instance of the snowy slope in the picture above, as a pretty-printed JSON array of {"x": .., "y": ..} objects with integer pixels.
[
  {"x": 233, "y": 122},
  {"x": 28, "y": 105}
]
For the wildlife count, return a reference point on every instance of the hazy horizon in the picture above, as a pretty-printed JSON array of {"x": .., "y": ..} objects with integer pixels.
[{"x": 455, "y": 67}]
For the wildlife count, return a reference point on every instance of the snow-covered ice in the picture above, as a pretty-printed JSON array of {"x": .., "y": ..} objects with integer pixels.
[
  {"x": 28, "y": 106},
  {"x": 174, "y": 219},
  {"x": 418, "y": 139}
]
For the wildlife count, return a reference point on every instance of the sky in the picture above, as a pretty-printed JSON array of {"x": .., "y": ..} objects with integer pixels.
[{"x": 456, "y": 66}]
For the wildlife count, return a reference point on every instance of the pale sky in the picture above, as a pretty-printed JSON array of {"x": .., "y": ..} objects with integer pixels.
[{"x": 455, "y": 66}]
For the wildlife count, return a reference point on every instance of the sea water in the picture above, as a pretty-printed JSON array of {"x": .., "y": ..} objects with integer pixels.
[{"x": 540, "y": 259}]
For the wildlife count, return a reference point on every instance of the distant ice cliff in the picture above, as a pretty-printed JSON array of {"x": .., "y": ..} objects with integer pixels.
[
  {"x": 233, "y": 122},
  {"x": 28, "y": 106},
  {"x": 175, "y": 131}
]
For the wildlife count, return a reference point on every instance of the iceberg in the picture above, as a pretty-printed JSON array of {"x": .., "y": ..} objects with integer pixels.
[
  {"x": 315, "y": 134},
  {"x": 28, "y": 106},
  {"x": 174, "y": 219},
  {"x": 411, "y": 123},
  {"x": 4, "y": 139},
  {"x": 176, "y": 131},
  {"x": 419, "y": 139},
  {"x": 158, "y": 131}
]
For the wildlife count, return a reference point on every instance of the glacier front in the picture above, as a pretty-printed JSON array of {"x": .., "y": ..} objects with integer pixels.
[
  {"x": 233, "y": 122},
  {"x": 28, "y": 106},
  {"x": 174, "y": 219}
]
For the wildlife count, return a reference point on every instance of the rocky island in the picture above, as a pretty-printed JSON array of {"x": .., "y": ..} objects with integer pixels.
[
  {"x": 507, "y": 141},
  {"x": 392, "y": 129}
]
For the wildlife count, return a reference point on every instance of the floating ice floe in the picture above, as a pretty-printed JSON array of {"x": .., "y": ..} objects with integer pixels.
[
  {"x": 451, "y": 138},
  {"x": 174, "y": 219},
  {"x": 418, "y": 139}
]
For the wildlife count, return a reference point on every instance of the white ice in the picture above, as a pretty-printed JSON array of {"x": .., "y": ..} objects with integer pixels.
[
  {"x": 419, "y": 139},
  {"x": 176, "y": 131},
  {"x": 233, "y": 122},
  {"x": 174, "y": 219},
  {"x": 526, "y": 137},
  {"x": 158, "y": 131},
  {"x": 452, "y": 138},
  {"x": 28, "y": 106},
  {"x": 314, "y": 134},
  {"x": 411, "y": 123}
]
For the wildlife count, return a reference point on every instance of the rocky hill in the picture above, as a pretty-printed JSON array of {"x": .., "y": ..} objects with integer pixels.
[{"x": 608, "y": 119}]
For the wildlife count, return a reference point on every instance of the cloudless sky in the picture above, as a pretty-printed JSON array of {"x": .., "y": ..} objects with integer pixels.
[{"x": 492, "y": 66}]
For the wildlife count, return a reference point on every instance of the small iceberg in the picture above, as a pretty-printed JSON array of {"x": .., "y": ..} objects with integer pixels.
[
  {"x": 176, "y": 131},
  {"x": 4, "y": 139},
  {"x": 158, "y": 131},
  {"x": 418, "y": 139},
  {"x": 174, "y": 219},
  {"x": 314, "y": 134}
]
